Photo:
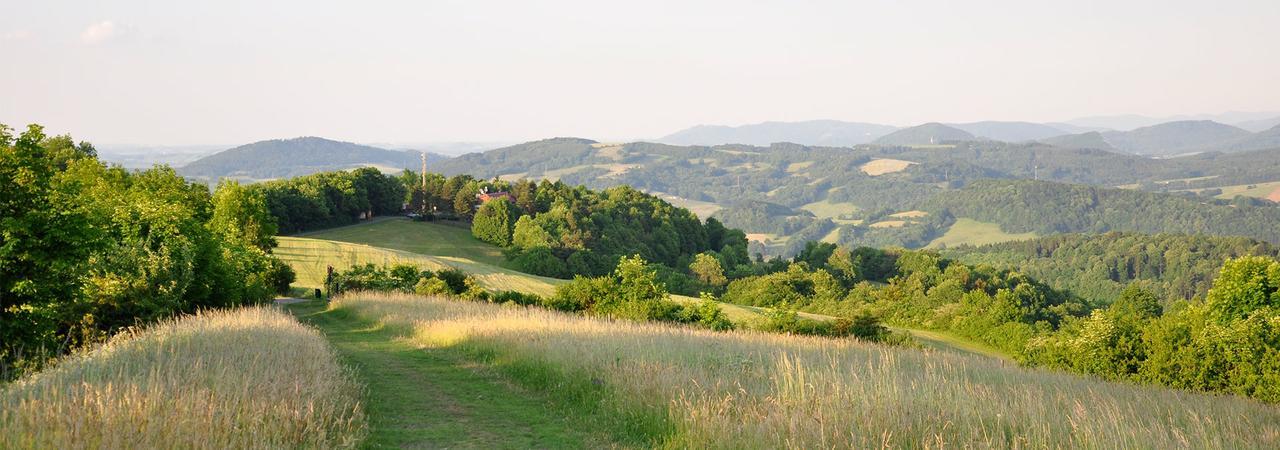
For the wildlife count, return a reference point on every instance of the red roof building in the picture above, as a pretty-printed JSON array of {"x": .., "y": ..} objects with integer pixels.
[{"x": 485, "y": 197}]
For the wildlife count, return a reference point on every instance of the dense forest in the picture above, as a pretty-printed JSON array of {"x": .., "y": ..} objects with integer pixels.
[
  {"x": 87, "y": 250},
  {"x": 330, "y": 199},
  {"x": 1048, "y": 208},
  {"x": 1099, "y": 267},
  {"x": 1000, "y": 307},
  {"x": 1228, "y": 340},
  {"x": 558, "y": 230}
]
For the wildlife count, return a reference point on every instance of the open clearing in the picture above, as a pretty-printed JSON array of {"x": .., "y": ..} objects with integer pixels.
[
  {"x": 702, "y": 209},
  {"x": 1270, "y": 191},
  {"x": 884, "y": 165},
  {"x": 796, "y": 167},
  {"x": 912, "y": 214},
  {"x": 431, "y": 246},
  {"x": 972, "y": 232},
  {"x": 889, "y": 224},
  {"x": 826, "y": 209}
]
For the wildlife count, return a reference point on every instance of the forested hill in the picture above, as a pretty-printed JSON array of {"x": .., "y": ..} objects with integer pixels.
[
  {"x": 1173, "y": 138},
  {"x": 1099, "y": 266},
  {"x": 282, "y": 158},
  {"x": 530, "y": 159},
  {"x": 828, "y": 193},
  {"x": 1049, "y": 208}
]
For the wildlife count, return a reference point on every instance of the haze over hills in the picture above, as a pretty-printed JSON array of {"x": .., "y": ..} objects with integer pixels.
[
  {"x": 298, "y": 156},
  {"x": 1128, "y": 122},
  {"x": 1010, "y": 131},
  {"x": 842, "y": 134},
  {"x": 813, "y": 132},
  {"x": 1258, "y": 126}
]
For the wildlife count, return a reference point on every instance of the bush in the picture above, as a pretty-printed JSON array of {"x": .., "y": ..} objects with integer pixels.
[
  {"x": 280, "y": 276},
  {"x": 432, "y": 286},
  {"x": 518, "y": 298}
]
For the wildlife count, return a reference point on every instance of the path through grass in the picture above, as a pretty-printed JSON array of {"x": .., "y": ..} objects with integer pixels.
[{"x": 438, "y": 398}]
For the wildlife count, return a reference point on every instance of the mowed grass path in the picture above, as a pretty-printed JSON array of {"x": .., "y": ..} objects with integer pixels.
[{"x": 437, "y": 398}]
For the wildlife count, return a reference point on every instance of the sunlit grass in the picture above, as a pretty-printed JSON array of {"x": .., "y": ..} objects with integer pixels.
[
  {"x": 245, "y": 378},
  {"x": 732, "y": 390},
  {"x": 972, "y": 232}
]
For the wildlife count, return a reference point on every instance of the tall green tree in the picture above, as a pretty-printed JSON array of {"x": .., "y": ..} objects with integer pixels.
[
  {"x": 494, "y": 222},
  {"x": 241, "y": 214},
  {"x": 706, "y": 267}
]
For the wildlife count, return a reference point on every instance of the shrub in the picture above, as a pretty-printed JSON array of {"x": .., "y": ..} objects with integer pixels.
[{"x": 432, "y": 286}]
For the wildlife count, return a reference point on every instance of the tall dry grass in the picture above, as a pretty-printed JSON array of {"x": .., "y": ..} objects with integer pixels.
[
  {"x": 735, "y": 390},
  {"x": 243, "y": 378}
]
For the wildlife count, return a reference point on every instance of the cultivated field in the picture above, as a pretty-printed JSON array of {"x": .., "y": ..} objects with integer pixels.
[
  {"x": 689, "y": 388},
  {"x": 246, "y": 378},
  {"x": 885, "y": 165}
]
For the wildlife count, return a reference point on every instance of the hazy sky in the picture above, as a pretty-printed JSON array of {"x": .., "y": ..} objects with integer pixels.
[{"x": 178, "y": 72}]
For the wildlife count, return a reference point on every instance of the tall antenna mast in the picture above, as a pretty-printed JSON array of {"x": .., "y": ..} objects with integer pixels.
[{"x": 424, "y": 170}]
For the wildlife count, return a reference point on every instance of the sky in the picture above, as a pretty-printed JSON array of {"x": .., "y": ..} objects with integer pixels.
[{"x": 184, "y": 73}]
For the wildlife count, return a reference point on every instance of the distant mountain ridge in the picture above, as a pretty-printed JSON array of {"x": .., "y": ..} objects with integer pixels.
[
  {"x": 1010, "y": 131},
  {"x": 832, "y": 133},
  {"x": 279, "y": 158}
]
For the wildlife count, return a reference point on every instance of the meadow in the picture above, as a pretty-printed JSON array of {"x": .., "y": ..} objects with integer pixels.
[
  {"x": 687, "y": 388},
  {"x": 242, "y": 378},
  {"x": 967, "y": 231}
]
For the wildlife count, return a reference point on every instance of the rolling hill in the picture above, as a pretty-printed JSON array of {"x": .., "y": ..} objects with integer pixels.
[
  {"x": 1090, "y": 140},
  {"x": 299, "y": 156},
  {"x": 814, "y": 132},
  {"x": 927, "y": 134},
  {"x": 1265, "y": 139},
  {"x": 1173, "y": 138}
]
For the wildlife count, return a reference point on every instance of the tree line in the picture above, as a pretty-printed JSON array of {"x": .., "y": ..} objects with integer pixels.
[
  {"x": 87, "y": 249},
  {"x": 1099, "y": 267},
  {"x": 1227, "y": 340}
]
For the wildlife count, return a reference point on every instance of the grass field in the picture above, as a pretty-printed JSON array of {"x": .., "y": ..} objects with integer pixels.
[
  {"x": 246, "y": 378},
  {"x": 311, "y": 256},
  {"x": 431, "y": 246},
  {"x": 700, "y": 389},
  {"x": 826, "y": 209},
  {"x": 702, "y": 209},
  {"x": 885, "y": 165},
  {"x": 972, "y": 232},
  {"x": 1257, "y": 190}
]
